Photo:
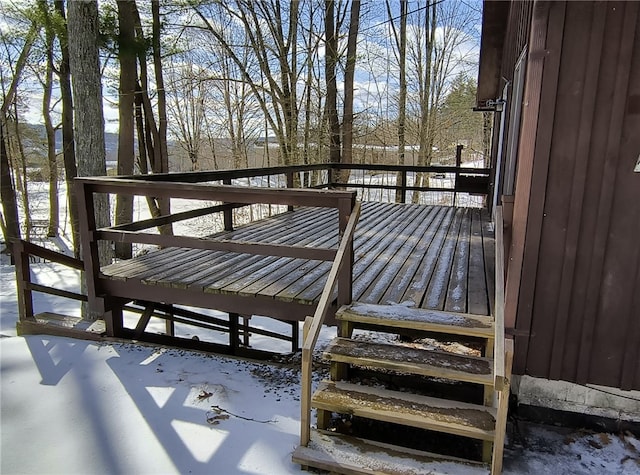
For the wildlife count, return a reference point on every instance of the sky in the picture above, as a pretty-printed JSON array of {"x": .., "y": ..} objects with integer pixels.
[{"x": 376, "y": 78}]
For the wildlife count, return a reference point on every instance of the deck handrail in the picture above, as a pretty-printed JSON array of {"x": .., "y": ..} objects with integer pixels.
[
  {"x": 230, "y": 197},
  {"x": 312, "y": 326},
  {"x": 499, "y": 342},
  {"x": 466, "y": 179},
  {"x": 25, "y": 287}
]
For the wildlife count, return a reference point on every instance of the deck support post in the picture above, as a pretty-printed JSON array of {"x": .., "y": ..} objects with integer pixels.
[
  {"x": 295, "y": 335},
  {"x": 245, "y": 330},
  {"x": 234, "y": 334},
  {"x": 112, "y": 316},
  {"x": 169, "y": 324}
]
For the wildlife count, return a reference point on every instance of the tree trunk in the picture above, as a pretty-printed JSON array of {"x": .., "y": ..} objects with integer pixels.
[
  {"x": 47, "y": 84},
  {"x": 349, "y": 74},
  {"x": 87, "y": 91},
  {"x": 128, "y": 77},
  {"x": 164, "y": 203},
  {"x": 68, "y": 144},
  {"x": 331, "y": 101},
  {"x": 10, "y": 222},
  {"x": 426, "y": 138},
  {"x": 402, "y": 99}
]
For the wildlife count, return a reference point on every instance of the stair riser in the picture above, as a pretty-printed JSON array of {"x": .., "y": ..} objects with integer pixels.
[
  {"x": 417, "y": 370},
  {"x": 388, "y": 416}
]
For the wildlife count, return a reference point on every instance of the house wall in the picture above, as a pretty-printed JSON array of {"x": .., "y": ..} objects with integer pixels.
[{"x": 573, "y": 280}]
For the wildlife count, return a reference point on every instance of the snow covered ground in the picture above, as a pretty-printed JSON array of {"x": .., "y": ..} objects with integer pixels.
[{"x": 73, "y": 406}]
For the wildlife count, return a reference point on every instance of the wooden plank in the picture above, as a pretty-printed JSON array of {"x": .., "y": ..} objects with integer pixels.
[
  {"x": 307, "y": 287},
  {"x": 397, "y": 232},
  {"x": 418, "y": 287},
  {"x": 399, "y": 316},
  {"x": 166, "y": 267},
  {"x": 366, "y": 254},
  {"x": 52, "y": 291},
  {"x": 208, "y": 192},
  {"x": 436, "y": 291},
  {"x": 477, "y": 297},
  {"x": 488, "y": 244},
  {"x": 244, "y": 265},
  {"x": 273, "y": 273},
  {"x": 285, "y": 225},
  {"x": 337, "y": 453},
  {"x": 456, "y": 297},
  {"x": 501, "y": 414},
  {"x": 249, "y": 247},
  {"x": 49, "y": 323},
  {"x": 407, "y": 273},
  {"x": 144, "y": 320},
  {"x": 411, "y": 360},
  {"x": 35, "y": 250},
  {"x": 124, "y": 269},
  {"x": 394, "y": 259},
  {"x": 499, "y": 369},
  {"x": 452, "y": 417}
]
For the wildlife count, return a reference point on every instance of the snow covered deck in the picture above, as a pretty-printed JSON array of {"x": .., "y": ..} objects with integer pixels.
[{"x": 430, "y": 257}]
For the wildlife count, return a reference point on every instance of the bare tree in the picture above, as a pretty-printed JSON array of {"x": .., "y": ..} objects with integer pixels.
[
  {"x": 187, "y": 97},
  {"x": 10, "y": 221},
  {"x": 401, "y": 45},
  {"x": 330, "y": 72},
  {"x": 271, "y": 32},
  {"x": 349, "y": 75},
  {"x": 47, "y": 85}
]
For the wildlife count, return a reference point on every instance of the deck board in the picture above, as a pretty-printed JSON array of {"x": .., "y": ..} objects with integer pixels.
[
  {"x": 456, "y": 297},
  {"x": 428, "y": 256}
]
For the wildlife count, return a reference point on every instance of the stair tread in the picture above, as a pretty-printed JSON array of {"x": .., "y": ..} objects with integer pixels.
[
  {"x": 411, "y": 360},
  {"x": 350, "y": 455},
  {"x": 400, "y": 316},
  {"x": 453, "y": 417}
]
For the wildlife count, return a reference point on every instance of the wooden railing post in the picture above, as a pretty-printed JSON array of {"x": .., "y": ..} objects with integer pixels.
[
  {"x": 458, "y": 165},
  {"x": 403, "y": 186},
  {"x": 23, "y": 281},
  {"x": 87, "y": 222},
  {"x": 345, "y": 278},
  {"x": 228, "y": 213},
  {"x": 290, "y": 184}
]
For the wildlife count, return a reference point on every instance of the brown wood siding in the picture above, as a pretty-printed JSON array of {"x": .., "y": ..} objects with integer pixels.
[{"x": 579, "y": 226}]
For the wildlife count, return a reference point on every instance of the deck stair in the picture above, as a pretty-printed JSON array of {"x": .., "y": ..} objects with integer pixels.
[{"x": 336, "y": 450}]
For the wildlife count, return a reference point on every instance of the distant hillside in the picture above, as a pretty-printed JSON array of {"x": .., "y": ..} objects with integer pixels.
[{"x": 35, "y": 142}]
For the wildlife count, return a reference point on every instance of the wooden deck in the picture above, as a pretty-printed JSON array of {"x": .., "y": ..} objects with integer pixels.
[{"x": 424, "y": 256}]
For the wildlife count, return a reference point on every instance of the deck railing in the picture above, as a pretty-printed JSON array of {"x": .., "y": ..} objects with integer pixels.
[
  {"x": 22, "y": 251},
  {"x": 401, "y": 179},
  {"x": 228, "y": 196}
]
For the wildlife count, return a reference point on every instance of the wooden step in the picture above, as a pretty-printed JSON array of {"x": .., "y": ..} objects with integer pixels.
[
  {"x": 399, "y": 316},
  {"x": 404, "y": 359},
  {"x": 452, "y": 417},
  {"x": 339, "y": 453}
]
